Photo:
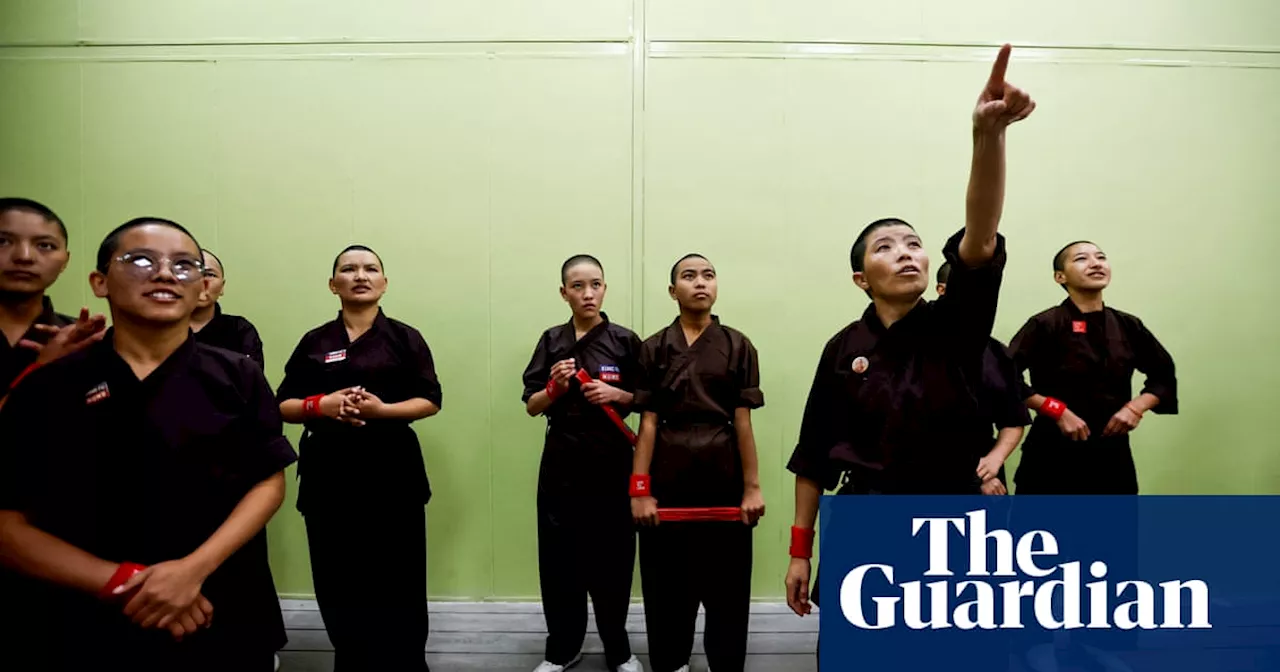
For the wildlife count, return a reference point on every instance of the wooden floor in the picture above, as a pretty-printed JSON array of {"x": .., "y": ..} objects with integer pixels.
[{"x": 509, "y": 637}]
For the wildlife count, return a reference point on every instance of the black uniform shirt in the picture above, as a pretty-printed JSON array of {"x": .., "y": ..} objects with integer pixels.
[
  {"x": 696, "y": 390},
  {"x": 343, "y": 465},
  {"x": 15, "y": 358},
  {"x": 234, "y": 333},
  {"x": 900, "y": 408},
  {"x": 146, "y": 471},
  {"x": 609, "y": 353},
  {"x": 585, "y": 453},
  {"x": 1087, "y": 361}
]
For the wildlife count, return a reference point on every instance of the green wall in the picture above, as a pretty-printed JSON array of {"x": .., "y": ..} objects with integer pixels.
[{"x": 477, "y": 143}]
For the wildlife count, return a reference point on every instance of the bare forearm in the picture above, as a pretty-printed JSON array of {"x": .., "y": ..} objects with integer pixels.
[
  {"x": 644, "y": 443},
  {"x": 245, "y": 521},
  {"x": 747, "y": 448},
  {"x": 1006, "y": 441},
  {"x": 984, "y": 202},
  {"x": 1035, "y": 401},
  {"x": 37, "y": 553},
  {"x": 808, "y": 495},
  {"x": 624, "y": 399},
  {"x": 291, "y": 411},
  {"x": 538, "y": 403},
  {"x": 409, "y": 409},
  {"x": 1145, "y": 402}
]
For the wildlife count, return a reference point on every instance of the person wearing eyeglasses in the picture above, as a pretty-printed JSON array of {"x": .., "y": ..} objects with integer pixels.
[
  {"x": 214, "y": 327},
  {"x": 142, "y": 520},
  {"x": 357, "y": 383}
]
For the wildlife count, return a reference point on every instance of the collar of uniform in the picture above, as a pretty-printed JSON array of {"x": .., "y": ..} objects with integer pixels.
[
  {"x": 569, "y": 333},
  {"x": 379, "y": 324},
  {"x": 104, "y": 351},
  {"x": 715, "y": 319},
  {"x": 47, "y": 314},
  {"x": 913, "y": 318},
  {"x": 1074, "y": 311}
]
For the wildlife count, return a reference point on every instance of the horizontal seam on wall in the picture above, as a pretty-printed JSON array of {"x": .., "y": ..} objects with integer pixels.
[{"x": 665, "y": 49}]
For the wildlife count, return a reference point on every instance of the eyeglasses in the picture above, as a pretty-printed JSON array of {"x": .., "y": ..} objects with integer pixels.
[{"x": 144, "y": 266}]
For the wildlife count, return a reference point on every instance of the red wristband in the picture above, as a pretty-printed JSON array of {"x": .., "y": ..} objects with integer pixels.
[
  {"x": 802, "y": 542},
  {"x": 124, "y": 572},
  {"x": 554, "y": 391},
  {"x": 640, "y": 485},
  {"x": 1053, "y": 408},
  {"x": 311, "y": 406},
  {"x": 25, "y": 372}
]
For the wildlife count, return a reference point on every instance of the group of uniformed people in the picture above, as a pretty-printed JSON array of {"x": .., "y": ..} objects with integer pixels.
[{"x": 133, "y": 535}]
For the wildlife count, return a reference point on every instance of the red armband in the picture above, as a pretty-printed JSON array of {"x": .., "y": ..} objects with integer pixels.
[
  {"x": 124, "y": 572},
  {"x": 640, "y": 485},
  {"x": 1053, "y": 408},
  {"x": 311, "y": 407},
  {"x": 25, "y": 372},
  {"x": 802, "y": 542}
]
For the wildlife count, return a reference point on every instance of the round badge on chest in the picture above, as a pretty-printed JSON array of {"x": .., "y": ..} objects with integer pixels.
[{"x": 860, "y": 365}]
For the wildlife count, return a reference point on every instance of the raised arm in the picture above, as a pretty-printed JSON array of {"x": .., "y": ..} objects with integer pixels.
[{"x": 999, "y": 105}]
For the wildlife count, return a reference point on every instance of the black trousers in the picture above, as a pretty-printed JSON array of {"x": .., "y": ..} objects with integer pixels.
[
  {"x": 370, "y": 573},
  {"x": 683, "y": 565},
  {"x": 581, "y": 556}
]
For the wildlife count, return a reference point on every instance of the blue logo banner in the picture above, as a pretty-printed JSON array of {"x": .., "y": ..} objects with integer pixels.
[{"x": 1053, "y": 584}]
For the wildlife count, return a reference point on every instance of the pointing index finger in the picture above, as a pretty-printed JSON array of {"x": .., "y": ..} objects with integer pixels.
[{"x": 1001, "y": 65}]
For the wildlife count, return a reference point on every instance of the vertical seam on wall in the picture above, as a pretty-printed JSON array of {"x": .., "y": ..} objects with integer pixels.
[
  {"x": 491, "y": 109},
  {"x": 639, "y": 54},
  {"x": 85, "y": 292},
  {"x": 215, "y": 76}
]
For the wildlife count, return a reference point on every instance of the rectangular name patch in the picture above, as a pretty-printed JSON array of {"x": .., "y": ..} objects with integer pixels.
[
  {"x": 335, "y": 356},
  {"x": 610, "y": 373},
  {"x": 97, "y": 394},
  {"x": 1079, "y": 326}
]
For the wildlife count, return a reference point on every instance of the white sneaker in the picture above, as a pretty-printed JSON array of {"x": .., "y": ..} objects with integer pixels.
[
  {"x": 277, "y": 664},
  {"x": 548, "y": 666},
  {"x": 633, "y": 665}
]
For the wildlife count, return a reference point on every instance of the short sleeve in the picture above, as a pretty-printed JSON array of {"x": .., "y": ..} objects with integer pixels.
[
  {"x": 1022, "y": 350},
  {"x": 24, "y": 424},
  {"x": 538, "y": 372},
  {"x": 630, "y": 364},
  {"x": 747, "y": 373},
  {"x": 968, "y": 310},
  {"x": 820, "y": 425},
  {"x": 426, "y": 384},
  {"x": 252, "y": 344},
  {"x": 267, "y": 451},
  {"x": 1156, "y": 362},
  {"x": 297, "y": 383},
  {"x": 1010, "y": 402},
  {"x": 649, "y": 378}
]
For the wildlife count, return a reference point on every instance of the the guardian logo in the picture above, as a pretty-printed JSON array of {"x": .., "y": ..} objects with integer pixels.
[{"x": 1055, "y": 602}]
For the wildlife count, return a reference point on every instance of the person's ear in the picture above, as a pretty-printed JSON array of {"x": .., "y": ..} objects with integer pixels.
[
  {"x": 1060, "y": 277},
  {"x": 860, "y": 279},
  {"x": 564, "y": 294},
  {"x": 98, "y": 282},
  {"x": 333, "y": 287},
  {"x": 671, "y": 291},
  {"x": 942, "y": 289}
]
